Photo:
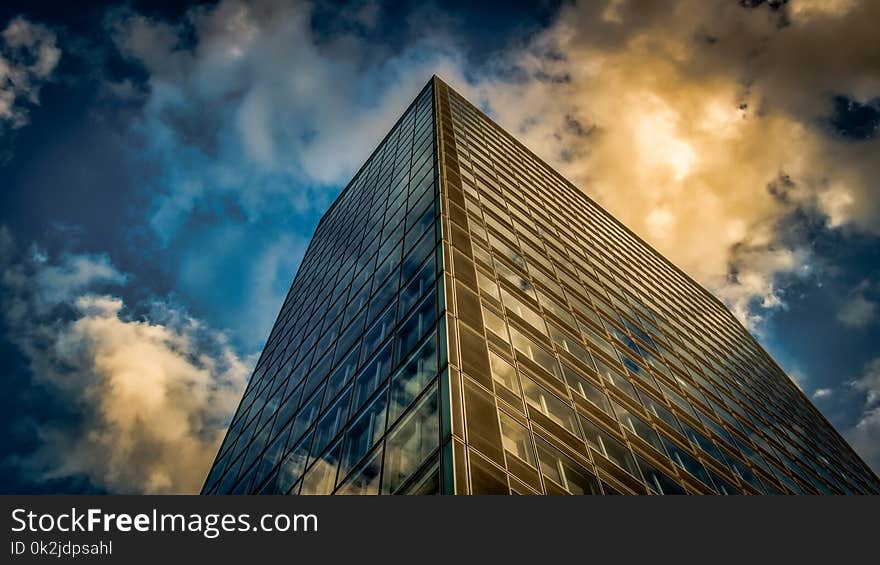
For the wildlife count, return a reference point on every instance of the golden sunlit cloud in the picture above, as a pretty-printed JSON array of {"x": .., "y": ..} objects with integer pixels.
[{"x": 701, "y": 126}]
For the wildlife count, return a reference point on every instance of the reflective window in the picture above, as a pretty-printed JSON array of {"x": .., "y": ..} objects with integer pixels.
[
  {"x": 534, "y": 352},
  {"x": 412, "y": 377},
  {"x": 609, "y": 447},
  {"x": 548, "y": 404},
  {"x": 411, "y": 442},
  {"x": 563, "y": 471},
  {"x": 586, "y": 389},
  {"x": 516, "y": 439},
  {"x": 364, "y": 432}
]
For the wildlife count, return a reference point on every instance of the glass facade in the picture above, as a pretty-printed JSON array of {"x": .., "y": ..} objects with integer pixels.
[{"x": 466, "y": 321}]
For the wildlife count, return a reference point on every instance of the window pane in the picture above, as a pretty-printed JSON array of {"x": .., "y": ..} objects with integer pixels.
[
  {"x": 495, "y": 324},
  {"x": 293, "y": 464},
  {"x": 373, "y": 375},
  {"x": 331, "y": 423},
  {"x": 380, "y": 330},
  {"x": 321, "y": 476},
  {"x": 687, "y": 462},
  {"x": 638, "y": 426},
  {"x": 657, "y": 481},
  {"x": 366, "y": 479},
  {"x": 527, "y": 313},
  {"x": 411, "y": 443},
  {"x": 364, "y": 432},
  {"x": 412, "y": 378},
  {"x": 609, "y": 447},
  {"x": 535, "y": 353},
  {"x": 516, "y": 439},
  {"x": 416, "y": 326},
  {"x": 550, "y": 405},
  {"x": 586, "y": 389},
  {"x": 503, "y": 372},
  {"x": 418, "y": 286},
  {"x": 305, "y": 417},
  {"x": 564, "y": 471}
]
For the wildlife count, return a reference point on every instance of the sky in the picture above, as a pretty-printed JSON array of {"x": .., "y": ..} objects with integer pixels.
[{"x": 163, "y": 166}]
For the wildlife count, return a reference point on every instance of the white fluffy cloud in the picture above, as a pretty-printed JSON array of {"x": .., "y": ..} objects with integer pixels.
[
  {"x": 153, "y": 394},
  {"x": 28, "y": 56}
]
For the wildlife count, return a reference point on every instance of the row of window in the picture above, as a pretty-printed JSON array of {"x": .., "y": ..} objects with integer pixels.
[{"x": 538, "y": 280}]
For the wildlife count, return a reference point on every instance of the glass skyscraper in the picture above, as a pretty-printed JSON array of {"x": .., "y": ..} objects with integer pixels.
[{"x": 466, "y": 321}]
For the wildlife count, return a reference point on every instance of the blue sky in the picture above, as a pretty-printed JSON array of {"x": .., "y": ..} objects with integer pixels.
[{"x": 164, "y": 166}]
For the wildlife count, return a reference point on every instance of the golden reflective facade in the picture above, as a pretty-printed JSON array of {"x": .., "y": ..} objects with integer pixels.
[{"x": 532, "y": 345}]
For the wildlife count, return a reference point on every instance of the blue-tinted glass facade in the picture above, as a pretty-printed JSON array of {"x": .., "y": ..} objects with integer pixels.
[{"x": 345, "y": 397}]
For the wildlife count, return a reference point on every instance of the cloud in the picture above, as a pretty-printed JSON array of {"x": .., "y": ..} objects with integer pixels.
[
  {"x": 704, "y": 126},
  {"x": 822, "y": 393},
  {"x": 865, "y": 435},
  {"x": 857, "y": 311},
  {"x": 152, "y": 394},
  {"x": 28, "y": 57},
  {"x": 260, "y": 108}
]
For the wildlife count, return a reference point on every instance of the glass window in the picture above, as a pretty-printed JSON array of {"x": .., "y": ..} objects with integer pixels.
[
  {"x": 535, "y": 353},
  {"x": 608, "y": 446},
  {"x": 586, "y": 389},
  {"x": 660, "y": 411},
  {"x": 387, "y": 265},
  {"x": 411, "y": 443},
  {"x": 528, "y": 314},
  {"x": 514, "y": 278},
  {"x": 364, "y": 432},
  {"x": 379, "y": 331},
  {"x": 687, "y": 462},
  {"x": 549, "y": 405},
  {"x": 417, "y": 255},
  {"x": 417, "y": 287},
  {"x": 293, "y": 464},
  {"x": 352, "y": 334},
  {"x": 495, "y": 324},
  {"x": 412, "y": 378},
  {"x": 598, "y": 341},
  {"x": 678, "y": 400},
  {"x": 639, "y": 427},
  {"x": 516, "y": 439},
  {"x": 371, "y": 376},
  {"x": 321, "y": 476},
  {"x": 615, "y": 379},
  {"x": 486, "y": 478},
  {"x": 383, "y": 297},
  {"x": 503, "y": 372},
  {"x": 488, "y": 286},
  {"x": 341, "y": 376},
  {"x": 365, "y": 480},
  {"x": 571, "y": 345},
  {"x": 416, "y": 326},
  {"x": 702, "y": 442},
  {"x": 287, "y": 408},
  {"x": 563, "y": 470},
  {"x": 657, "y": 481},
  {"x": 306, "y": 416},
  {"x": 331, "y": 423}
]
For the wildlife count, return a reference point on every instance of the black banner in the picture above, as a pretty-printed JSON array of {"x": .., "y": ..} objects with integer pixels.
[{"x": 142, "y": 529}]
